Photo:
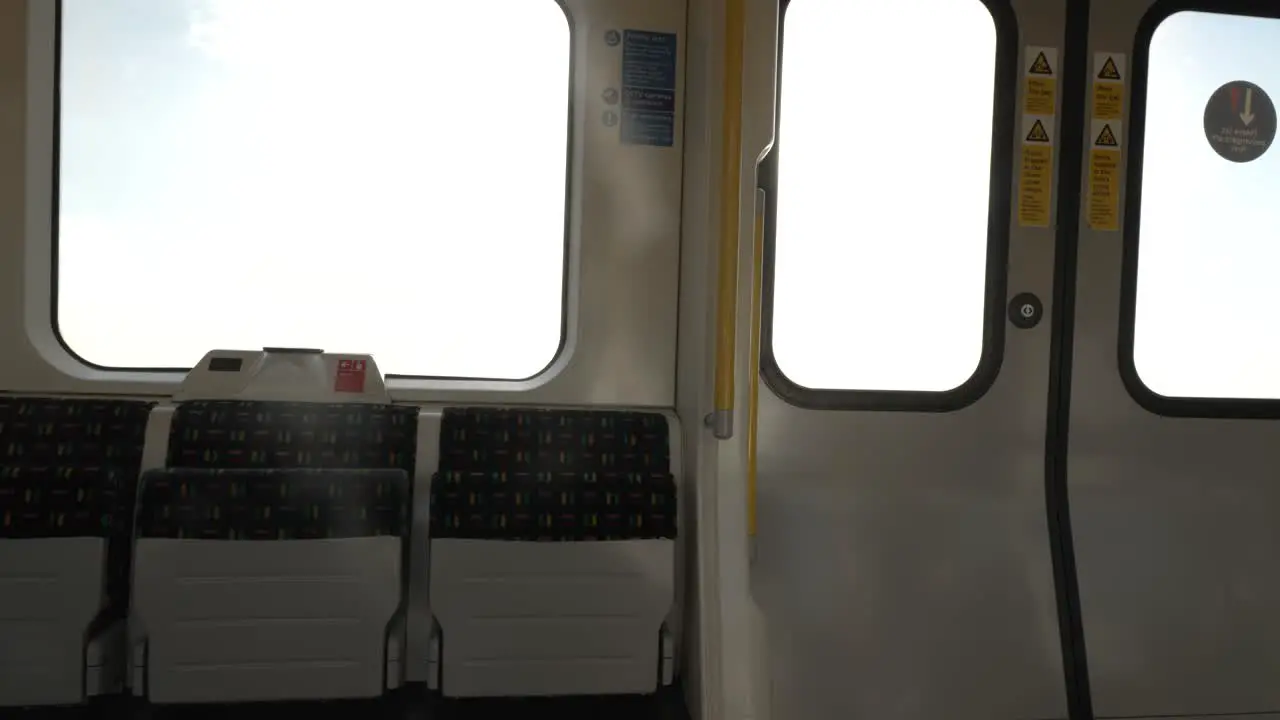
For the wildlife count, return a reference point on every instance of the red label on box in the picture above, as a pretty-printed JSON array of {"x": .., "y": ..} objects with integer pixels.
[{"x": 350, "y": 376}]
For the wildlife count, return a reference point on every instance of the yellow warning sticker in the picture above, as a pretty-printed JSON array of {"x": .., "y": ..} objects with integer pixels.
[
  {"x": 1109, "y": 70},
  {"x": 1035, "y": 177},
  {"x": 1040, "y": 65},
  {"x": 1035, "y": 188},
  {"x": 1108, "y": 86},
  {"x": 1041, "y": 80},
  {"x": 1104, "y": 176},
  {"x": 1037, "y": 133},
  {"x": 1107, "y": 138}
]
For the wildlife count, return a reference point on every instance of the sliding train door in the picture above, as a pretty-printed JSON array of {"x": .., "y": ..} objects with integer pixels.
[
  {"x": 1174, "y": 462},
  {"x": 904, "y": 563}
]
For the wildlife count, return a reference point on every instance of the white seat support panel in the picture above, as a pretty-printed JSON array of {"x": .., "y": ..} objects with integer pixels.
[
  {"x": 551, "y": 618},
  {"x": 272, "y": 620},
  {"x": 50, "y": 593}
]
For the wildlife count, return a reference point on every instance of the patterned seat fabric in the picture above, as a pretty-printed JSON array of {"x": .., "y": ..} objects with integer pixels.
[
  {"x": 553, "y": 475},
  {"x": 229, "y": 434},
  {"x": 69, "y": 468},
  {"x": 62, "y": 500},
  {"x": 273, "y": 504}
]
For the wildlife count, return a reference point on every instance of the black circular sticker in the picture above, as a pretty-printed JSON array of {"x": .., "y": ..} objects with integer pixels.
[
  {"x": 1025, "y": 311},
  {"x": 1240, "y": 121}
]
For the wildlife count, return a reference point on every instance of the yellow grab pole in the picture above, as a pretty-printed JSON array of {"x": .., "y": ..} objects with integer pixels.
[{"x": 730, "y": 206}]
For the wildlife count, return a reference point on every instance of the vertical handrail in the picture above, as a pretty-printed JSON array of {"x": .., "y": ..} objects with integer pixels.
[
  {"x": 753, "y": 360},
  {"x": 730, "y": 207}
]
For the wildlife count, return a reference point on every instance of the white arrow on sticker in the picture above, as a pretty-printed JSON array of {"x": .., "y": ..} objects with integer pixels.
[{"x": 1247, "y": 116}]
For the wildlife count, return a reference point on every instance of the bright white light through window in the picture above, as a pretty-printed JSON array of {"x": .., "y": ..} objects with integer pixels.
[
  {"x": 383, "y": 176},
  {"x": 1209, "y": 229},
  {"x": 883, "y": 191}
]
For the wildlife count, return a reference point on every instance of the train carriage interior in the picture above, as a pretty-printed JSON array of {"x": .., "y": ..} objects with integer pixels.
[{"x": 663, "y": 360}]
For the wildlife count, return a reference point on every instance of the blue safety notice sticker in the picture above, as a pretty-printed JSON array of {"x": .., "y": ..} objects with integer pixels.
[{"x": 648, "y": 88}]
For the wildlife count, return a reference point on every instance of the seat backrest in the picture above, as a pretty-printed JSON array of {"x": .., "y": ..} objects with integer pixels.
[
  {"x": 271, "y": 434},
  {"x": 268, "y": 584},
  {"x": 272, "y": 504},
  {"x": 68, "y": 470},
  {"x": 553, "y": 475},
  {"x": 565, "y": 519}
]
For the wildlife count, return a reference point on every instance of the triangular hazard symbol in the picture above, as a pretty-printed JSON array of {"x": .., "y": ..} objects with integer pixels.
[
  {"x": 1109, "y": 70},
  {"x": 1041, "y": 66},
  {"x": 1106, "y": 138},
  {"x": 1037, "y": 133}
]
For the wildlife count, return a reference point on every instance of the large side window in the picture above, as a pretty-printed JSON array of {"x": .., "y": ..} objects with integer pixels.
[
  {"x": 884, "y": 223},
  {"x": 1204, "y": 223},
  {"x": 385, "y": 176}
]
